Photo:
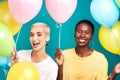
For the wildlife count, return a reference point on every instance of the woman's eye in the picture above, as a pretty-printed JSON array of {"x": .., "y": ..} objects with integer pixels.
[
  {"x": 79, "y": 31},
  {"x": 31, "y": 34},
  {"x": 39, "y": 34},
  {"x": 87, "y": 32}
]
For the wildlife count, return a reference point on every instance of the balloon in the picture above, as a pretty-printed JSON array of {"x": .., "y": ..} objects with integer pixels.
[
  {"x": 110, "y": 38},
  {"x": 7, "y": 19},
  {"x": 4, "y": 60},
  {"x": 118, "y": 3},
  {"x": 6, "y": 41},
  {"x": 61, "y": 10},
  {"x": 105, "y": 12},
  {"x": 24, "y": 10},
  {"x": 23, "y": 71}
]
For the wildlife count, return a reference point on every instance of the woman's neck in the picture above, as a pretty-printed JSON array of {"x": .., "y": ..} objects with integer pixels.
[
  {"x": 38, "y": 56},
  {"x": 83, "y": 51}
]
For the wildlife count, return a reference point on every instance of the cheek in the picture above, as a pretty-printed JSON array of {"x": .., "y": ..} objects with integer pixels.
[
  {"x": 30, "y": 39},
  {"x": 43, "y": 42},
  {"x": 89, "y": 36},
  {"x": 42, "y": 39},
  {"x": 76, "y": 35}
]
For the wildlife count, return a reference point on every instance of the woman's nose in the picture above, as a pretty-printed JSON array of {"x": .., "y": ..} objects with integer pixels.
[
  {"x": 34, "y": 37},
  {"x": 82, "y": 34}
]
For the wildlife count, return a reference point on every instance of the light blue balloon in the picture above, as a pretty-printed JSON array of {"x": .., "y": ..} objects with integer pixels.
[
  {"x": 4, "y": 60},
  {"x": 105, "y": 12}
]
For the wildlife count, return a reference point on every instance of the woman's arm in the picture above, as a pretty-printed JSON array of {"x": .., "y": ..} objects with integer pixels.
[
  {"x": 59, "y": 59},
  {"x": 13, "y": 57},
  {"x": 60, "y": 73}
]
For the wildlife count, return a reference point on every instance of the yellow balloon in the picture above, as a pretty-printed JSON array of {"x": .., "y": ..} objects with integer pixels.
[
  {"x": 23, "y": 71},
  {"x": 110, "y": 38},
  {"x": 7, "y": 19}
]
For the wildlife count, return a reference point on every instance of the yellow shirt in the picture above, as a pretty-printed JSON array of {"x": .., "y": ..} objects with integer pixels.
[{"x": 93, "y": 67}]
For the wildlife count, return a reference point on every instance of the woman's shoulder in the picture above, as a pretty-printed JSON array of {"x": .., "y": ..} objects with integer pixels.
[
  {"x": 51, "y": 60},
  {"x": 51, "y": 63},
  {"x": 24, "y": 53},
  {"x": 68, "y": 50},
  {"x": 99, "y": 55}
]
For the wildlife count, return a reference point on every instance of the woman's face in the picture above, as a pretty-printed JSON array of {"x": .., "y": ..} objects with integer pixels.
[
  {"x": 38, "y": 37},
  {"x": 83, "y": 34}
]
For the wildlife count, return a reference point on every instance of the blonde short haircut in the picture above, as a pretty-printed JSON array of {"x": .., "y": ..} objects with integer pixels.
[{"x": 45, "y": 26}]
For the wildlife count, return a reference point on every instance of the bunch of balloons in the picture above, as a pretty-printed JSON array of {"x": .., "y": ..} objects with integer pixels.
[
  {"x": 7, "y": 19},
  {"x": 6, "y": 47},
  {"x": 110, "y": 38},
  {"x": 8, "y": 28},
  {"x": 22, "y": 12},
  {"x": 15, "y": 13},
  {"x": 106, "y": 13}
]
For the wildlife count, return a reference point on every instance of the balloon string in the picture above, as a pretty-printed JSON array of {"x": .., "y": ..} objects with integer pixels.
[
  {"x": 59, "y": 35},
  {"x": 16, "y": 41}
]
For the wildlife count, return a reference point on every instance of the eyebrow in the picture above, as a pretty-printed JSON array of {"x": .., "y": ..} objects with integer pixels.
[
  {"x": 85, "y": 29},
  {"x": 37, "y": 32}
]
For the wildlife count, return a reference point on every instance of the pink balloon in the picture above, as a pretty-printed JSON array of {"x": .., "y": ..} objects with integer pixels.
[
  {"x": 61, "y": 10},
  {"x": 24, "y": 10}
]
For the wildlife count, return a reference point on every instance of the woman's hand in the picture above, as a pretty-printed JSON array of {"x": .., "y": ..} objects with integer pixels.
[
  {"x": 13, "y": 57},
  {"x": 117, "y": 68},
  {"x": 115, "y": 71},
  {"x": 59, "y": 57}
]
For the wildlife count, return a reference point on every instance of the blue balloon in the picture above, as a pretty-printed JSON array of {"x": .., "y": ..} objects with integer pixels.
[
  {"x": 4, "y": 60},
  {"x": 105, "y": 12}
]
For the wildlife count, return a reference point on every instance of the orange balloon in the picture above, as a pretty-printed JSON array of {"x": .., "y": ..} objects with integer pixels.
[
  {"x": 110, "y": 38},
  {"x": 7, "y": 19},
  {"x": 23, "y": 71}
]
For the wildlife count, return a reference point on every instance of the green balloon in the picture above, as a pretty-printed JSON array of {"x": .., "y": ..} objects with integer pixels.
[
  {"x": 6, "y": 41},
  {"x": 118, "y": 3}
]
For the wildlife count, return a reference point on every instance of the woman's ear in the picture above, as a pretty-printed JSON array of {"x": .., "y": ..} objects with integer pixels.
[{"x": 47, "y": 38}]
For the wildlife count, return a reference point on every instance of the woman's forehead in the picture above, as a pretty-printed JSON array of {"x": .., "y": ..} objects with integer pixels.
[
  {"x": 37, "y": 29},
  {"x": 83, "y": 26}
]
